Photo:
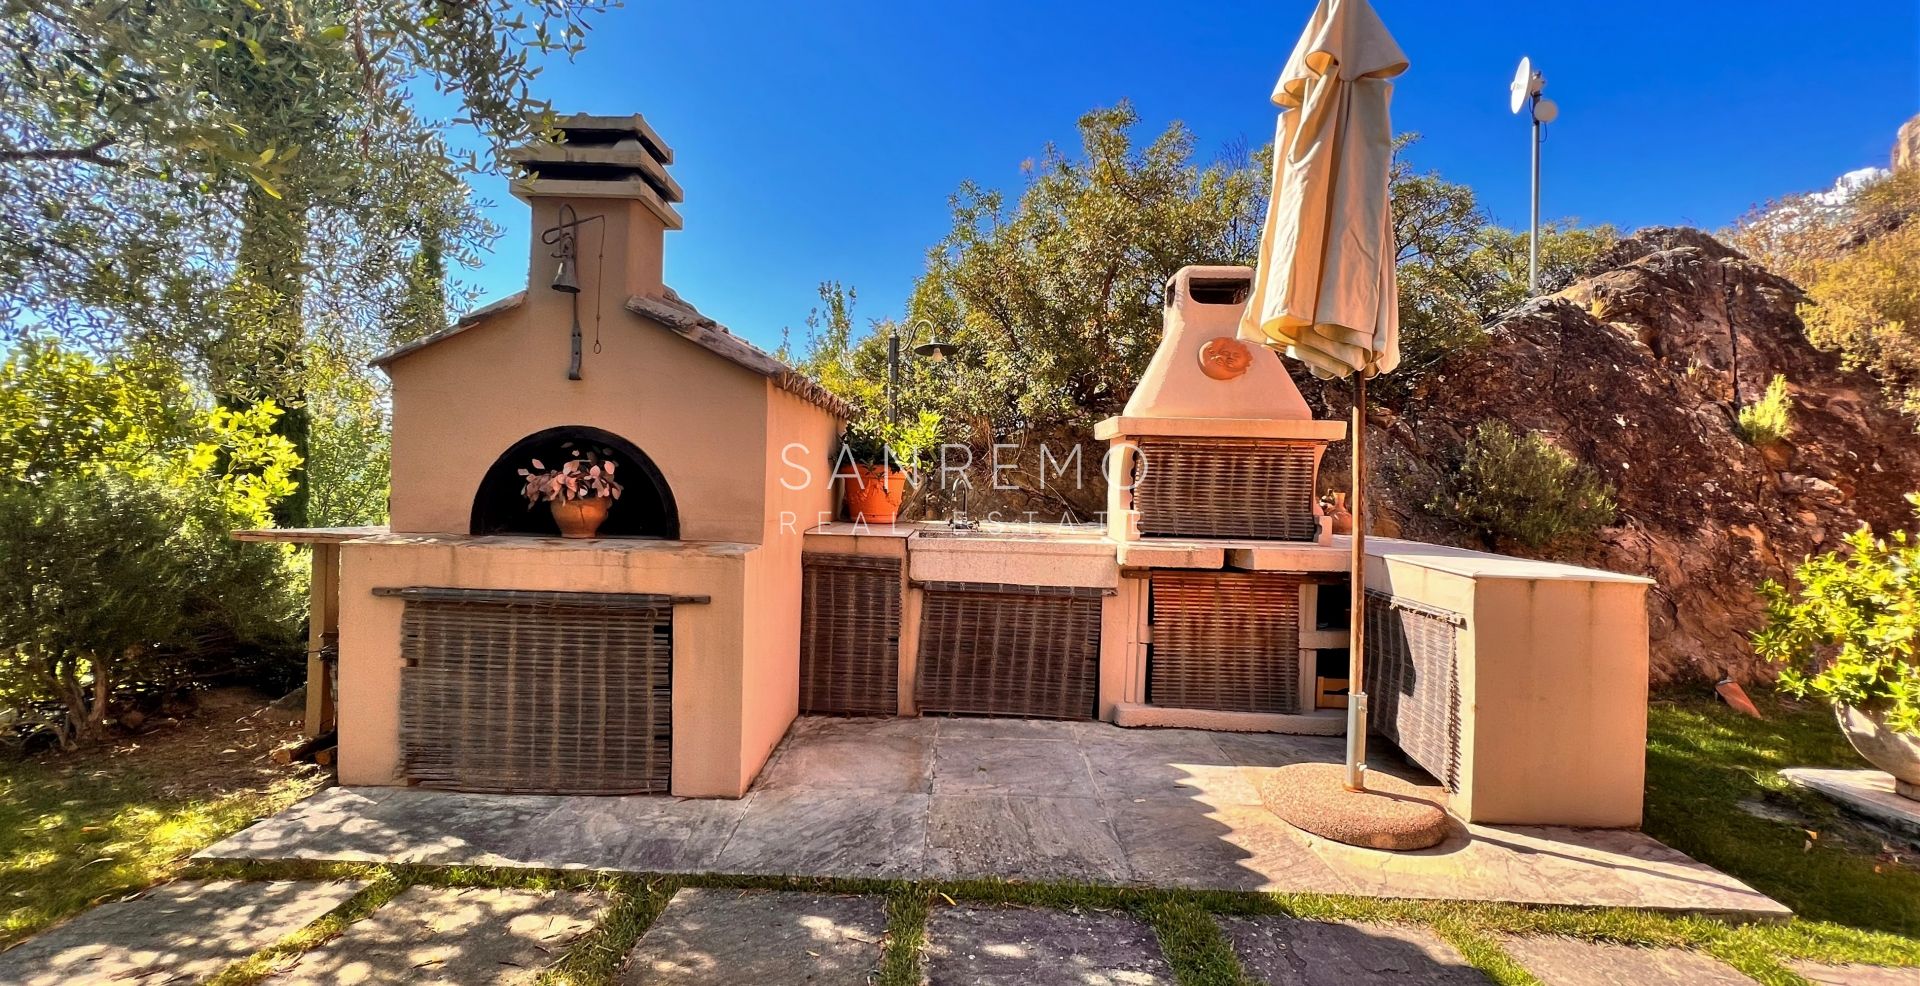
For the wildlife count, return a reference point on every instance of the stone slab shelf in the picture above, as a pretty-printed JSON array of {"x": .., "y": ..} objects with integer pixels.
[{"x": 1867, "y": 793}]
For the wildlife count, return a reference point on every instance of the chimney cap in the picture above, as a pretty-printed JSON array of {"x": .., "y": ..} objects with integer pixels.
[{"x": 601, "y": 157}]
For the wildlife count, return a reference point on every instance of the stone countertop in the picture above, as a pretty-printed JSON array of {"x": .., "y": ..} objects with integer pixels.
[{"x": 527, "y": 543}]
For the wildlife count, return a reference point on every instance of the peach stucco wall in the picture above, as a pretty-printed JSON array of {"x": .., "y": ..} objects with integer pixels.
[
  {"x": 1553, "y": 682},
  {"x": 797, "y": 432},
  {"x": 458, "y": 404},
  {"x": 709, "y": 717}
]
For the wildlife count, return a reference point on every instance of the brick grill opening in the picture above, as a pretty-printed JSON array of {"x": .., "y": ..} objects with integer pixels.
[
  {"x": 1224, "y": 640},
  {"x": 536, "y": 692},
  {"x": 1413, "y": 682},
  {"x": 849, "y": 634},
  {"x": 1009, "y": 650},
  {"x": 1243, "y": 488}
]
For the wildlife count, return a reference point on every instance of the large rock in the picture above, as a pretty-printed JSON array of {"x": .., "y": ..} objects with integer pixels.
[
  {"x": 1906, "y": 145},
  {"x": 1639, "y": 370}
]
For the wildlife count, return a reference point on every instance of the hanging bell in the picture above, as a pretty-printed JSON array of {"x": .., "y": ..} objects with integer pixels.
[{"x": 566, "y": 278}]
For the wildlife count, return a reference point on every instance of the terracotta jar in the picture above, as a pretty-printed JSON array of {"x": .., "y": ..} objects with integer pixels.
[
  {"x": 873, "y": 494},
  {"x": 581, "y": 518},
  {"x": 1342, "y": 517}
]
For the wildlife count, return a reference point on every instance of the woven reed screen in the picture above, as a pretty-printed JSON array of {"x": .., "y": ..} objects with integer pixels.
[
  {"x": 1256, "y": 489},
  {"x": 547, "y": 694},
  {"x": 1009, "y": 650},
  {"x": 1224, "y": 640},
  {"x": 1413, "y": 682},
  {"x": 849, "y": 634}
]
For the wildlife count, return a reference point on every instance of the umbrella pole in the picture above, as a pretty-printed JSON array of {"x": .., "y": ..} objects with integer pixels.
[{"x": 1356, "y": 779}]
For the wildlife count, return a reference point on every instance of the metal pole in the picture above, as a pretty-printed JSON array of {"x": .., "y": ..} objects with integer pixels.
[
  {"x": 893, "y": 376},
  {"x": 1533, "y": 234},
  {"x": 1356, "y": 779}
]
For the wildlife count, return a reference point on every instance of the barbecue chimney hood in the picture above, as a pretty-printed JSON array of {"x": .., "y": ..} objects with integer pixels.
[{"x": 1216, "y": 442}]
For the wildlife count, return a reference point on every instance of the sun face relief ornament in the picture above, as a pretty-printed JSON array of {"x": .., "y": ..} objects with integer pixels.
[{"x": 1224, "y": 358}]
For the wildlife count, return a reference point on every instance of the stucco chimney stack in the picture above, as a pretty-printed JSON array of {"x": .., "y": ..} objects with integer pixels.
[{"x": 603, "y": 166}]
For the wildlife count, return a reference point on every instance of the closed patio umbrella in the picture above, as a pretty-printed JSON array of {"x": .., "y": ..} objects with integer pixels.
[{"x": 1323, "y": 288}]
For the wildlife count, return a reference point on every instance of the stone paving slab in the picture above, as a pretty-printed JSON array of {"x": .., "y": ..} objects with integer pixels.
[
  {"x": 1019, "y": 946},
  {"x": 1281, "y": 951},
  {"x": 179, "y": 932},
  {"x": 1188, "y": 845},
  {"x": 1856, "y": 975},
  {"x": 1868, "y": 793},
  {"x": 1024, "y": 839},
  {"x": 711, "y": 937},
  {"x": 467, "y": 937},
  {"x": 829, "y": 833},
  {"x": 1561, "y": 961},
  {"x": 918, "y": 798},
  {"x": 864, "y": 754}
]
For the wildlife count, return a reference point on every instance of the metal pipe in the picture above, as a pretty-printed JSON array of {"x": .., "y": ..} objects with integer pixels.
[
  {"x": 1533, "y": 230},
  {"x": 1356, "y": 779}
]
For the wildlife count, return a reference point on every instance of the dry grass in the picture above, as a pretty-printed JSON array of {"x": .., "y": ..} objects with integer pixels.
[{"x": 81, "y": 828}]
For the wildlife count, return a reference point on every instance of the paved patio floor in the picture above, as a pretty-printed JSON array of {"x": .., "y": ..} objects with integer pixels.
[{"x": 999, "y": 798}]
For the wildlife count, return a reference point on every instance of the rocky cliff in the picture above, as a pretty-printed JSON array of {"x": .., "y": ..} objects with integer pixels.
[{"x": 1638, "y": 369}]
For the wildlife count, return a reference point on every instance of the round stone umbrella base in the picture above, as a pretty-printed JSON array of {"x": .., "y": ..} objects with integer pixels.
[{"x": 1390, "y": 814}]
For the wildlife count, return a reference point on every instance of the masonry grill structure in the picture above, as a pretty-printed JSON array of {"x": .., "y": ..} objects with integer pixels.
[
  {"x": 1213, "y": 500},
  {"x": 476, "y": 650}
]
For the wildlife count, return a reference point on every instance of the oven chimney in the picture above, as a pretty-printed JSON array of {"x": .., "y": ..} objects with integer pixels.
[{"x": 605, "y": 180}]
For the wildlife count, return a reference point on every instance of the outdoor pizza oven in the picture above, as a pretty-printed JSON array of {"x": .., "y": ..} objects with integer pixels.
[{"x": 480, "y": 650}]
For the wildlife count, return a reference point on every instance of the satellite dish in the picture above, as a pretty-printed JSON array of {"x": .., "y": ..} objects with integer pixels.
[
  {"x": 1522, "y": 83},
  {"x": 1545, "y": 110}
]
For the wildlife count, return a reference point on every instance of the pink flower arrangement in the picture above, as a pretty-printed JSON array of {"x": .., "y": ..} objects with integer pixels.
[{"x": 584, "y": 476}]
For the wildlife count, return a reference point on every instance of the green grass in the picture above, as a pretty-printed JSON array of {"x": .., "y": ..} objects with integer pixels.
[
  {"x": 1704, "y": 761},
  {"x": 73, "y": 837}
]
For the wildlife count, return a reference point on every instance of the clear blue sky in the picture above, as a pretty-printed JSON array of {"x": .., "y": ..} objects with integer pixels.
[{"x": 821, "y": 141}]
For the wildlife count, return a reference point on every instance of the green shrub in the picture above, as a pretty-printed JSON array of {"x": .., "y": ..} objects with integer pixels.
[
  {"x": 1520, "y": 486},
  {"x": 1766, "y": 420},
  {"x": 117, "y": 493},
  {"x": 1849, "y": 634}
]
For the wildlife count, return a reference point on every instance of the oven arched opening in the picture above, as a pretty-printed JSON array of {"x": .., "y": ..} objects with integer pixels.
[{"x": 645, "y": 508}]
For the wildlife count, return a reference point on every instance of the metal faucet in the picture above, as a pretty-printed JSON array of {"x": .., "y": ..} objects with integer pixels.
[{"x": 957, "y": 519}]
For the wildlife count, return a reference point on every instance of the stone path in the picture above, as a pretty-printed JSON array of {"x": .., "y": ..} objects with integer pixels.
[
  {"x": 726, "y": 937},
  {"x": 1020, "y": 946},
  {"x": 179, "y": 932},
  {"x": 188, "y": 931},
  {"x": 1286, "y": 952},
  {"x": 1855, "y": 975},
  {"x": 931, "y": 798},
  {"x": 441, "y": 935},
  {"x": 1568, "y": 962}
]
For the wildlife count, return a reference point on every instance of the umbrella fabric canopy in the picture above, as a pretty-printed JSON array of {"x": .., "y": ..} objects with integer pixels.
[{"x": 1324, "y": 284}]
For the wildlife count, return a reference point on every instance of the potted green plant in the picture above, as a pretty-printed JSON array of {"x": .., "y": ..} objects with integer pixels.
[
  {"x": 882, "y": 456},
  {"x": 580, "y": 492},
  {"x": 1850, "y": 635}
]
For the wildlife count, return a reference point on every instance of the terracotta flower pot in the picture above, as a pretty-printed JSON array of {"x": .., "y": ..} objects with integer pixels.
[
  {"x": 580, "y": 518},
  {"x": 1896, "y": 753},
  {"x": 873, "y": 494}
]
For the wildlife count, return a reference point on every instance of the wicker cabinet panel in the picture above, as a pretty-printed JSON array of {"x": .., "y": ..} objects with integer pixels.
[
  {"x": 1224, "y": 640},
  {"x": 1413, "y": 683},
  {"x": 850, "y": 634},
  {"x": 547, "y": 698},
  {"x": 1009, "y": 650},
  {"x": 1255, "y": 489}
]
